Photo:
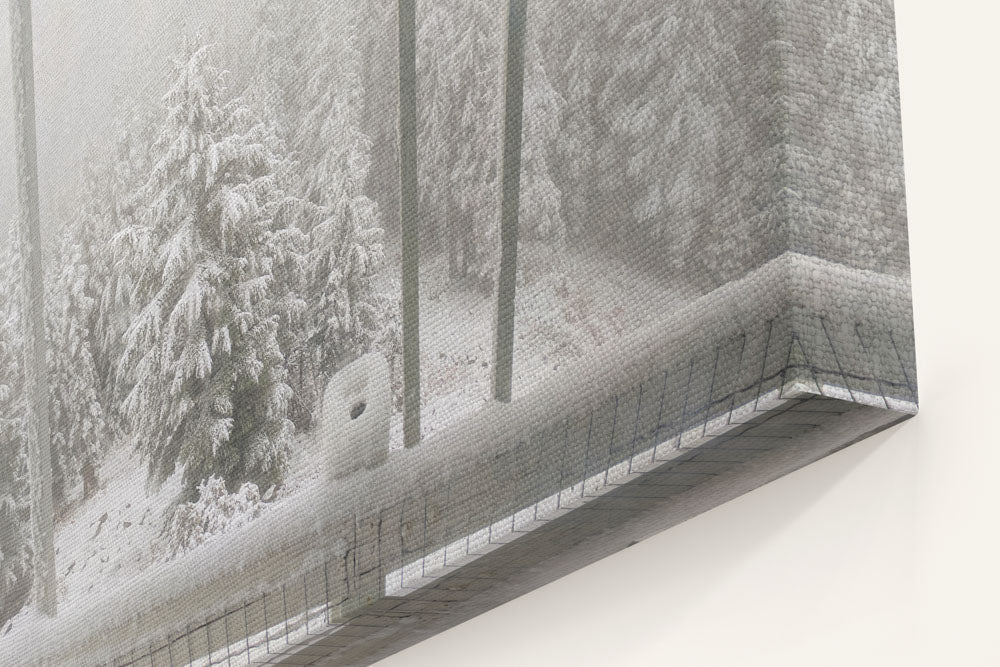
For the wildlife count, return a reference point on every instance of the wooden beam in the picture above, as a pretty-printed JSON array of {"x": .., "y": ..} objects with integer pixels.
[
  {"x": 409, "y": 220},
  {"x": 33, "y": 308},
  {"x": 503, "y": 341}
]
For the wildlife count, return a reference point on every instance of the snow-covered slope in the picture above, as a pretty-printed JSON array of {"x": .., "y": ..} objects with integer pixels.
[{"x": 561, "y": 319}]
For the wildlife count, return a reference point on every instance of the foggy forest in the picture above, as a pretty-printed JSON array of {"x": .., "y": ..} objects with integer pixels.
[{"x": 220, "y": 210}]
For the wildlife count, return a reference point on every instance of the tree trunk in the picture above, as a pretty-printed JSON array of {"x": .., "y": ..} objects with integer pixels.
[
  {"x": 503, "y": 339},
  {"x": 90, "y": 480},
  {"x": 33, "y": 309},
  {"x": 451, "y": 234},
  {"x": 465, "y": 232},
  {"x": 409, "y": 219}
]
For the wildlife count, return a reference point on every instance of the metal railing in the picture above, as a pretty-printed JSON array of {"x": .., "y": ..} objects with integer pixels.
[{"x": 332, "y": 556}]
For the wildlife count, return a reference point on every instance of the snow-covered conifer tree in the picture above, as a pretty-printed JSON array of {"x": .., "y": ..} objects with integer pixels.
[
  {"x": 675, "y": 108},
  {"x": 207, "y": 376},
  {"x": 15, "y": 507},
  {"x": 322, "y": 97},
  {"x": 855, "y": 109},
  {"x": 109, "y": 219},
  {"x": 345, "y": 226},
  {"x": 459, "y": 49},
  {"x": 540, "y": 214},
  {"x": 577, "y": 46},
  {"x": 460, "y": 90},
  {"x": 79, "y": 431}
]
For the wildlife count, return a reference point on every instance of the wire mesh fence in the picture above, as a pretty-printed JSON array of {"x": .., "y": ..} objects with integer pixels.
[{"x": 656, "y": 438}]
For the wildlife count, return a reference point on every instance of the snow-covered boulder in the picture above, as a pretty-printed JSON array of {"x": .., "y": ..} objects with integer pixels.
[{"x": 354, "y": 422}]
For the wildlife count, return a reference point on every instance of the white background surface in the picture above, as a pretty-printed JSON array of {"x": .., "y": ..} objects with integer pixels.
[{"x": 887, "y": 553}]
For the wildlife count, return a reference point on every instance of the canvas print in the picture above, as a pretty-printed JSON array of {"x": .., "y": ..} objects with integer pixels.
[{"x": 244, "y": 327}]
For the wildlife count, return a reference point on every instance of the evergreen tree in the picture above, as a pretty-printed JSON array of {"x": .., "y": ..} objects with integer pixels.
[
  {"x": 670, "y": 98},
  {"x": 577, "y": 49},
  {"x": 344, "y": 225},
  {"x": 459, "y": 70},
  {"x": 841, "y": 167},
  {"x": 379, "y": 48},
  {"x": 321, "y": 93},
  {"x": 207, "y": 376},
  {"x": 459, "y": 54},
  {"x": 111, "y": 211},
  {"x": 79, "y": 431},
  {"x": 660, "y": 101},
  {"x": 15, "y": 508},
  {"x": 274, "y": 80},
  {"x": 540, "y": 210}
]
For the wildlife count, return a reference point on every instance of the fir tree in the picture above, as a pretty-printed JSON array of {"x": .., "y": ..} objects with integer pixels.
[
  {"x": 378, "y": 24},
  {"x": 676, "y": 108},
  {"x": 344, "y": 225},
  {"x": 79, "y": 431},
  {"x": 208, "y": 379},
  {"x": 576, "y": 56},
  {"x": 459, "y": 104},
  {"x": 459, "y": 54},
  {"x": 540, "y": 214},
  {"x": 854, "y": 105},
  {"x": 15, "y": 508},
  {"x": 111, "y": 211},
  {"x": 341, "y": 314}
]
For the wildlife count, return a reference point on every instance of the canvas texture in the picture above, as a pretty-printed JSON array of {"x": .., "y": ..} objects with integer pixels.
[{"x": 275, "y": 389}]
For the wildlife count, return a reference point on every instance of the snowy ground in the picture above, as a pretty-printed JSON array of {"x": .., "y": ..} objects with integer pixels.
[
  {"x": 115, "y": 534},
  {"x": 561, "y": 317},
  {"x": 586, "y": 303}
]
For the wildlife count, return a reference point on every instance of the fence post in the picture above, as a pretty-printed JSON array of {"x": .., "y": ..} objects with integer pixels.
[
  {"x": 409, "y": 220},
  {"x": 503, "y": 341},
  {"x": 33, "y": 308}
]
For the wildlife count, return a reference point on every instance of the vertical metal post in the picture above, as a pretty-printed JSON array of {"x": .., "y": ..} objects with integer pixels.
[
  {"x": 409, "y": 219},
  {"x": 503, "y": 342},
  {"x": 33, "y": 308}
]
